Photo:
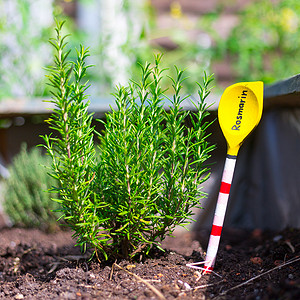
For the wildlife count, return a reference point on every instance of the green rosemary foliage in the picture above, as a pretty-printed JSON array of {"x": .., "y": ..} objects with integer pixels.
[
  {"x": 72, "y": 151},
  {"x": 150, "y": 167},
  {"x": 26, "y": 201}
]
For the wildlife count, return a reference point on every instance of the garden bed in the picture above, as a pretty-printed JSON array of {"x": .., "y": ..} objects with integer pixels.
[{"x": 35, "y": 265}]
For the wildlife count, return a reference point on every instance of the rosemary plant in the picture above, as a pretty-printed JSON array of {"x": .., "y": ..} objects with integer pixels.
[{"x": 147, "y": 177}]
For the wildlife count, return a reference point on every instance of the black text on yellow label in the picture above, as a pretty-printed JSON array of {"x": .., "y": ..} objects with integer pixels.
[{"x": 239, "y": 116}]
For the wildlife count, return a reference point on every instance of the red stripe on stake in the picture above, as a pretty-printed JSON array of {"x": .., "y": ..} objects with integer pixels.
[
  {"x": 216, "y": 230},
  {"x": 207, "y": 268},
  {"x": 225, "y": 187}
]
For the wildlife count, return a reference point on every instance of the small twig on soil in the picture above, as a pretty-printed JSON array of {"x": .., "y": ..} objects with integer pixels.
[
  {"x": 203, "y": 286},
  {"x": 260, "y": 275},
  {"x": 194, "y": 266},
  {"x": 61, "y": 260},
  {"x": 111, "y": 271},
  {"x": 28, "y": 250},
  {"x": 76, "y": 257},
  {"x": 291, "y": 246},
  {"x": 139, "y": 249},
  {"x": 151, "y": 287},
  {"x": 97, "y": 256}
]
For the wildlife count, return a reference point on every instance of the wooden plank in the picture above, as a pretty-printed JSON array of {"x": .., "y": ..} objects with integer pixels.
[
  {"x": 285, "y": 93},
  {"x": 99, "y": 106},
  {"x": 30, "y": 107}
]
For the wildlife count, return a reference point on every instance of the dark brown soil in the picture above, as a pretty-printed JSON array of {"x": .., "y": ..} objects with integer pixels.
[{"x": 35, "y": 265}]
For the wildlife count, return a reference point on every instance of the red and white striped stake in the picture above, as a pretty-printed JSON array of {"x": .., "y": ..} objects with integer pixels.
[{"x": 220, "y": 211}]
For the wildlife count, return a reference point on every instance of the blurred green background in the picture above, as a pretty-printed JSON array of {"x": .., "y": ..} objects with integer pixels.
[{"x": 237, "y": 40}]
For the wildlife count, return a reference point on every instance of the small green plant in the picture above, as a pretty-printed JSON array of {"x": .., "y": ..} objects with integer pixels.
[
  {"x": 147, "y": 177},
  {"x": 26, "y": 201}
]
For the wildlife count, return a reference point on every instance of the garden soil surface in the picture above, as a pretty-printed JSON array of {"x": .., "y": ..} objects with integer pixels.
[{"x": 250, "y": 265}]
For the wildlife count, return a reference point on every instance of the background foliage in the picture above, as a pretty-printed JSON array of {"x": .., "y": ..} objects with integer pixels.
[
  {"x": 27, "y": 201},
  {"x": 261, "y": 46},
  {"x": 24, "y": 27},
  {"x": 264, "y": 42}
]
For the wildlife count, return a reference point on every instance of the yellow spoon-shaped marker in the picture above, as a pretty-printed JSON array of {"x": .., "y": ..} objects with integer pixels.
[{"x": 239, "y": 112}]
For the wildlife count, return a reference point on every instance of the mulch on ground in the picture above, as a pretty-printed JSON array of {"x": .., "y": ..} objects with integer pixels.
[{"x": 254, "y": 265}]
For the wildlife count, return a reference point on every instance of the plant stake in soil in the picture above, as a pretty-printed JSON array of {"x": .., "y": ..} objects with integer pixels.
[{"x": 239, "y": 112}]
